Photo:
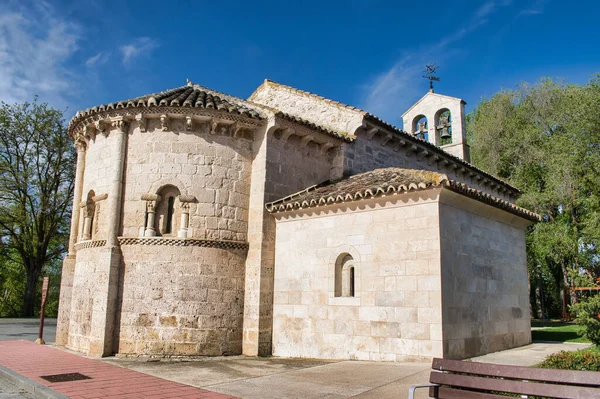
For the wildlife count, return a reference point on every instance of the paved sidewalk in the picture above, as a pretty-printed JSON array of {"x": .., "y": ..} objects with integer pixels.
[{"x": 107, "y": 381}]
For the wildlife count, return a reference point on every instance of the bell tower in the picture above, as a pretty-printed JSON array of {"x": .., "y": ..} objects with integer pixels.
[{"x": 439, "y": 119}]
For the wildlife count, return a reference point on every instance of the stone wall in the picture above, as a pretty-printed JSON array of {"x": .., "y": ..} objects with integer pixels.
[
  {"x": 100, "y": 161},
  {"x": 177, "y": 300},
  {"x": 213, "y": 168},
  {"x": 367, "y": 154},
  {"x": 327, "y": 113},
  {"x": 484, "y": 278},
  {"x": 85, "y": 282},
  {"x": 395, "y": 314}
]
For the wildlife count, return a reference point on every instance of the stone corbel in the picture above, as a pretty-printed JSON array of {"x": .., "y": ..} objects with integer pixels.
[
  {"x": 80, "y": 144},
  {"x": 401, "y": 143},
  {"x": 386, "y": 138},
  {"x": 189, "y": 123},
  {"x": 164, "y": 123},
  {"x": 323, "y": 148},
  {"x": 90, "y": 132},
  {"x": 141, "y": 121},
  {"x": 120, "y": 124},
  {"x": 305, "y": 140},
  {"x": 101, "y": 127},
  {"x": 286, "y": 134},
  {"x": 371, "y": 133}
]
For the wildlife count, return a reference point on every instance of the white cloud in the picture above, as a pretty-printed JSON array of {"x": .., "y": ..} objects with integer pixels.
[
  {"x": 93, "y": 60},
  {"x": 391, "y": 92},
  {"x": 140, "y": 46},
  {"x": 34, "y": 48}
]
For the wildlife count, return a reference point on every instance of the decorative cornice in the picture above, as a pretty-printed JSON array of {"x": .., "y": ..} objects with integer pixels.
[
  {"x": 183, "y": 242},
  {"x": 89, "y": 244}
]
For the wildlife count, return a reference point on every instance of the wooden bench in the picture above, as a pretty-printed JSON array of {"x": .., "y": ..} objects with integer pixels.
[{"x": 453, "y": 379}]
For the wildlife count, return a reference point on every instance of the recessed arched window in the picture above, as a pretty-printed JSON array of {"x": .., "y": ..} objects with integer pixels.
[
  {"x": 167, "y": 209},
  {"x": 345, "y": 276}
]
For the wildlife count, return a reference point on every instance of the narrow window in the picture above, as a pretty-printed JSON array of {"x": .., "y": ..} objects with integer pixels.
[
  {"x": 170, "y": 210},
  {"x": 351, "y": 281},
  {"x": 344, "y": 276}
]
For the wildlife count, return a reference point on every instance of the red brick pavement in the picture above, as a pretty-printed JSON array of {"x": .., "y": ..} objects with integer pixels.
[{"x": 32, "y": 361}]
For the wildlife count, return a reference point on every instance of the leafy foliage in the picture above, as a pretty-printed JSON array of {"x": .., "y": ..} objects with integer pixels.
[
  {"x": 36, "y": 191},
  {"x": 587, "y": 315},
  {"x": 582, "y": 360},
  {"x": 545, "y": 139}
]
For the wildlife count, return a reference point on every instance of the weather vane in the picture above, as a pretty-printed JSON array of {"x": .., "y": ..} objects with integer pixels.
[{"x": 429, "y": 71}]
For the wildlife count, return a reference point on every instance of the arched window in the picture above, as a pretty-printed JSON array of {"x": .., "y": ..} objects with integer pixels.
[
  {"x": 443, "y": 126},
  {"x": 167, "y": 210},
  {"x": 420, "y": 127},
  {"x": 344, "y": 276}
]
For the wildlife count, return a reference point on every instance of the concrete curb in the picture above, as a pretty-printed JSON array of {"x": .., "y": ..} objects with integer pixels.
[{"x": 35, "y": 388}]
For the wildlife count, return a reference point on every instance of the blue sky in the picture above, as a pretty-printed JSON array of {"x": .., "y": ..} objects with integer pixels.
[{"x": 371, "y": 54}]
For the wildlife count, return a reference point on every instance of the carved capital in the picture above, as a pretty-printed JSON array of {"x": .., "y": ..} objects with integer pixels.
[
  {"x": 164, "y": 123},
  {"x": 141, "y": 121},
  {"x": 187, "y": 199},
  {"x": 80, "y": 144},
  {"x": 150, "y": 197}
]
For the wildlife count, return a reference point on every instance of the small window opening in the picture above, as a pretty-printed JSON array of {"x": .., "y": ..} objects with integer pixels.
[
  {"x": 170, "y": 210},
  {"x": 345, "y": 276}
]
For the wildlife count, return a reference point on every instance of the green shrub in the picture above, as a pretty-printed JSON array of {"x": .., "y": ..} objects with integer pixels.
[
  {"x": 587, "y": 315},
  {"x": 583, "y": 360}
]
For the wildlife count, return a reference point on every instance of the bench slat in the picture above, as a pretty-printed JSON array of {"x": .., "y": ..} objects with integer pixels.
[
  {"x": 589, "y": 378},
  {"x": 451, "y": 393},
  {"x": 512, "y": 386}
]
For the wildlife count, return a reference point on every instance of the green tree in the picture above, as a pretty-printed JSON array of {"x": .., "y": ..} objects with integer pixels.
[
  {"x": 36, "y": 190},
  {"x": 545, "y": 139}
]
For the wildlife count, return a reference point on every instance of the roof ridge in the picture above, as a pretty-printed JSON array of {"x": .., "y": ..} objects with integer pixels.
[{"x": 308, "y": 93}]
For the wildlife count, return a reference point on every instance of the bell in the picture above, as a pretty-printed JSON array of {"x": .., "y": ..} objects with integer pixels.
[{"x": 445, "y": 134}]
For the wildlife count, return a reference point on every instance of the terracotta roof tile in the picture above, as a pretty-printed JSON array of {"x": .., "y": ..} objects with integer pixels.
[{"x": 386, "y": 181}]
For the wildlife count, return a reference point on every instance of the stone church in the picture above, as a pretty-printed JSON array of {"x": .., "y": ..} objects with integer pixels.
[{"x": 288, "y": 224}]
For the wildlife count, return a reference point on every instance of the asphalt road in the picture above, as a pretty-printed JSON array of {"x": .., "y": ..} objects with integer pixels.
[{"x": 11, "y": 329}]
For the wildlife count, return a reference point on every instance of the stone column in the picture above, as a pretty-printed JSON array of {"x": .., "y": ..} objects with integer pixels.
[
  {"x": 68, "y": 268},
  {"x": 87, "y": 226},
  {"x": 109, "y": 263},
  {"x": 185, "y": 217},
  {"x": 150, "y": 231}
]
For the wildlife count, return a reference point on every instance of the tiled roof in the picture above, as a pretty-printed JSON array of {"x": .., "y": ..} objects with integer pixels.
[
  {"x": 387, "y": 181},
  {"x": 185, "y": 96}
]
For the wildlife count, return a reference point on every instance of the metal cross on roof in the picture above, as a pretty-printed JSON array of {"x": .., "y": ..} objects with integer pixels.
[{"x": 429, "y": 71}]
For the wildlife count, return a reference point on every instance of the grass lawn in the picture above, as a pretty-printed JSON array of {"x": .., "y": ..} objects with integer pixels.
[{"x": 558, "y": 332}]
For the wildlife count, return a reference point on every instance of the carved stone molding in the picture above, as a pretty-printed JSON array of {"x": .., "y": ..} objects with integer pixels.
[
  {"x": 100, "y": 197},
  {"x": 89, "y": 244},
  {"x": 142, "y": 121},
  {"x": 120, "y": 124},
  {"x": 150, "y": 197},
  {"x": 187, "y": 198},
  {"x": 183, "y": 242},
  {"x": 164, "y": 123}
]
